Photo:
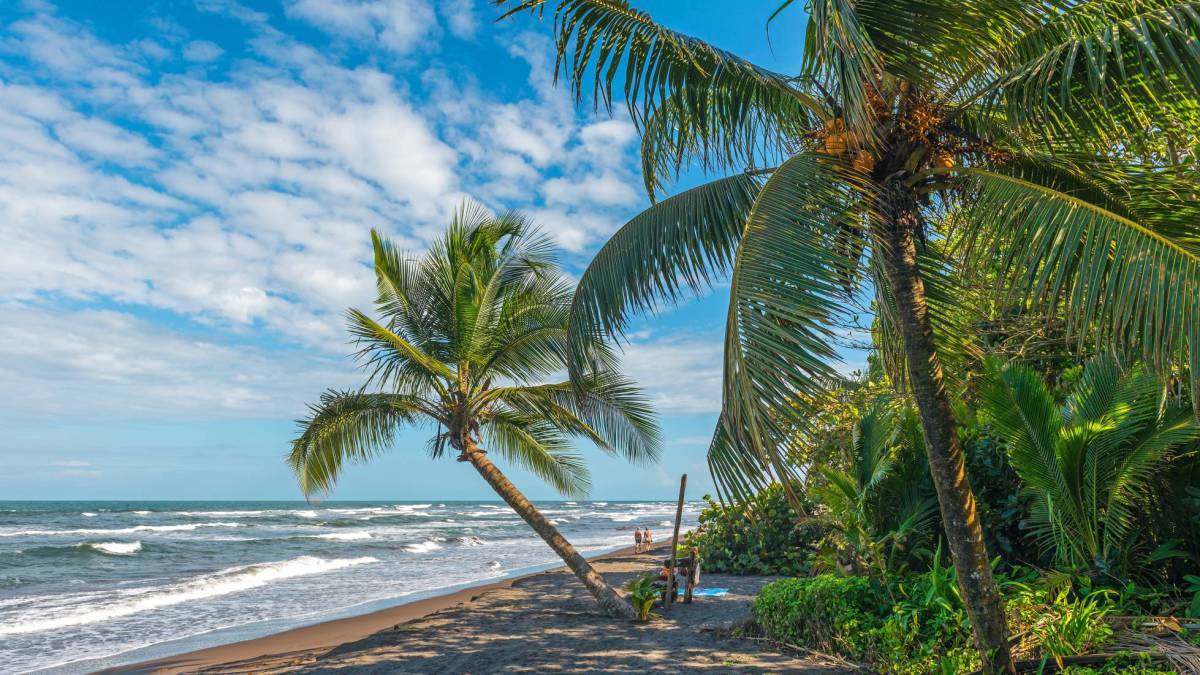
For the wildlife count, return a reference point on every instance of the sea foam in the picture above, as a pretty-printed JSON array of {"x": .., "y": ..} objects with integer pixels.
[
  {"x": 423, "y": 547},
  {"x": 345, "y": 536},
  {"x": 132, "y": 601},
  {"x": 115, "y": 547},
  {"x": 123, "y": 530}
]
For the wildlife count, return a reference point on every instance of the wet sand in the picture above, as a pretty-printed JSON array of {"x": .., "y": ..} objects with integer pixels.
[{"x": 543, "y": 622}]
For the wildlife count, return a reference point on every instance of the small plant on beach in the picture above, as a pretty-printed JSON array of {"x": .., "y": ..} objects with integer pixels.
[
  {"x": 467, "y": 339},
  {"x": 642, "y": 594},
  {"x": 1074, "y": 627}
]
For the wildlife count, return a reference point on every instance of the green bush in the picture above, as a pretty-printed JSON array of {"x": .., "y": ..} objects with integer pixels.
[
  {"x": 928, "y": 630},
  {"x": 917, "y": 624},
  {"x": 838, "y": 615},
  {"x": 762, "y": 535}
]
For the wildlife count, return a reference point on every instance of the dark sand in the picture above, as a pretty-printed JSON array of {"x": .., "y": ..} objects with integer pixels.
[{"x": 539, "y": 623}]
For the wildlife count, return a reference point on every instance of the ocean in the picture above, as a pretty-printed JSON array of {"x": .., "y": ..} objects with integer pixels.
[{"x": 85, "y": 585}]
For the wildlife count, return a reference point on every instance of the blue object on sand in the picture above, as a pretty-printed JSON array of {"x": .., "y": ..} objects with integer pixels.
[{"x": 709, "y": 592}]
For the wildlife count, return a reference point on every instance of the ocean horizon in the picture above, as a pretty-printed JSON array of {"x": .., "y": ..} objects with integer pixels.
[{"x": 92, "y": 584}]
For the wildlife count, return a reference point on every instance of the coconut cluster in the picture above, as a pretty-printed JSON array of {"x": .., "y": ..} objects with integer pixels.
[{"x": 916, "y": 118}]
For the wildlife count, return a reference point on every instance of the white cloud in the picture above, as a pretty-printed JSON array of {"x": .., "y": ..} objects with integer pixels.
[
  {"x": 202, "y": 51},
  {"x": 606, "y": 189},
  {"x": 243, "y": 202},
  {"x": 608, "y": 139},
  {"x": 398, "y": 25},
  {"x": 460, "y": 17},
  {"x": 104, "y": 140},
  {"x": 680, "y": 373},
  {"x": 101, "y": 363}
]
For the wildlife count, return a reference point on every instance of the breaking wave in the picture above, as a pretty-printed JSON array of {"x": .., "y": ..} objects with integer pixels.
[
  {"x": 423, "y": 547},
  {"x": 123, "y": 530},
  {"x": 115, "y": 547},
  {"x": 100, "y": 606}
]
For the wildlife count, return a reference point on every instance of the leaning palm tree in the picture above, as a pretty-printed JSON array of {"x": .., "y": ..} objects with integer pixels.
[
  {"x": 1088, "y": 462},
  {"x": 1052, "y": 141},
  {"x": 466, "y": 339}
]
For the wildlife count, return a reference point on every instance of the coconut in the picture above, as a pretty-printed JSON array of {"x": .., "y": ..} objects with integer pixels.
[
  {"x": 864, "y": 161},
  {"x": 838, "y": 141},
  {"x": 943, "y": 159},
  {"x": 835, "y": 144}
]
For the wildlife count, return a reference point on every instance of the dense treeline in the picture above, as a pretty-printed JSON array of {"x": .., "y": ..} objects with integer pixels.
[{"x": 1086, "y": 476}]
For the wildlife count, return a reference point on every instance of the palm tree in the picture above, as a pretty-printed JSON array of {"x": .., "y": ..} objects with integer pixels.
[
  {"x": 1088, "y": 462},
  {"x": 1052, "y": 139},
  {"x": 467, "y": 336}
]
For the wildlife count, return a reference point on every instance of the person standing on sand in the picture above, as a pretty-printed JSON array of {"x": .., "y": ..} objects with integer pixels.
[
  {"x": 647, "y": 539},
  {"x": 637, "y": 540}
]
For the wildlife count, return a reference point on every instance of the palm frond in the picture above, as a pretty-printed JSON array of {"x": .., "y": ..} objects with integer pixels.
[
  {"x": 684, "y": 241},
  {"x": 1107, "y": 69},
  {"x": 874, "y": 437},
  {"x": 527, "y": 338},
  {"x": 606, "y": 408},
  {"x": 391, "y": 358},
  {"x": 839, "y": 52},
  {"x": 1092, "y": 396},
  {"x": 1163, "y": 198},
  {"x": 1138, "y": 287},
  {"x": 737, "y": 474},
  {"x": 620, "y": 46},
  {"x": 1017, "y": 405},
  {"x": 725, "y": 131},
  {"x": 786, "y": 300},
  {"x": 940, "y": 44},
  {"x": 1087, "y": 468},
  {"x": 347, "y": 426},
  {"x": 540, "y": 448}
]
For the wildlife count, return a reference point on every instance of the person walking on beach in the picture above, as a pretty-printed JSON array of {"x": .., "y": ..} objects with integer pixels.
[
  {"x": 637, "y": 540},
  {"x": 647, "y": 540}
]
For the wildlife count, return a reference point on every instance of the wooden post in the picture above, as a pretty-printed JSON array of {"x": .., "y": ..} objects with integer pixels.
[{"x": 675, "y": 542}]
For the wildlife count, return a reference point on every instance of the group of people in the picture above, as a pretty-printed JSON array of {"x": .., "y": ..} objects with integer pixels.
[
  {"x": 642, "y": 539},
  {"x": 687, "y": 572},
  {"x": 687, "y": 569}
]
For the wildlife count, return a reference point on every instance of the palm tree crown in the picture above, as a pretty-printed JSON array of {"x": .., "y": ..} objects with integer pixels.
[
  {"x": 1060, "y": 135},
  {"x": 467, "y": 337}
]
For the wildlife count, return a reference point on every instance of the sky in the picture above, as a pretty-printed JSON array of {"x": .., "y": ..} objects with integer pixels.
[{"x": 186, "y": 197}]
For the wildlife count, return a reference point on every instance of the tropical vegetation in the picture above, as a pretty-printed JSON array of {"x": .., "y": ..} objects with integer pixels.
[
  {"x": 1041, "y": 153},
  {"x": 764, "y": 534},
  {"x": 1091, "y": 547},
  {"x": 1087, "y": 462},
  {"x": 467, "y": 341}
]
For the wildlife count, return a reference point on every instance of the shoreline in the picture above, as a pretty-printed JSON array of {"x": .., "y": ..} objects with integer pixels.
[{"x": 331, "y": 633}]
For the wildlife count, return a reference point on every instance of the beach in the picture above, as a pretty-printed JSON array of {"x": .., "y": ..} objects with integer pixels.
[
  {"x": 544, "y": 622},
  {"x": 92, "y": 585}
]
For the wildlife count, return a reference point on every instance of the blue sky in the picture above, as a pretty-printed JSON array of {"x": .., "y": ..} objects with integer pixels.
[{"x": 185, "y": 201}]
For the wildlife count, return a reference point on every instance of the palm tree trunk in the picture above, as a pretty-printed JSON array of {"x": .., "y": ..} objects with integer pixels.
[
  {"x": 959, "y": 518},
  {"x": 612, "y": 603}
]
